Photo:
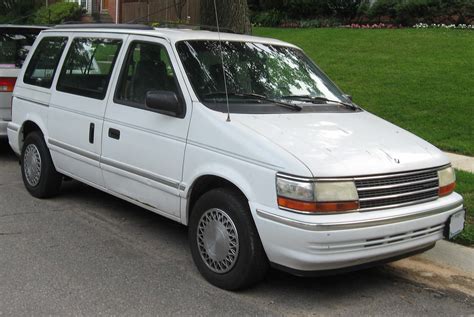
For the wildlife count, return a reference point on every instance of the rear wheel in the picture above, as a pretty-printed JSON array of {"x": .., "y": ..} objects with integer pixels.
[
  {"x": 39, "y": 175},
  {"x": 224, "y": 241}
]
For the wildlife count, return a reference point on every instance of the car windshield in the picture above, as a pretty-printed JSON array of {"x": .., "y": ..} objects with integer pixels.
[
  {"x": 15, "y": 45},
  {"x": 276, "y": 72}
]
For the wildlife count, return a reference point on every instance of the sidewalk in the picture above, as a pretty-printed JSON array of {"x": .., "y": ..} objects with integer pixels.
[
  {"x": 451, "y": 255},
  {"x": 465, "y": 163}
]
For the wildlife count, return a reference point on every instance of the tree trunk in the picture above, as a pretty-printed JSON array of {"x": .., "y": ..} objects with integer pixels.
[{"x": 232, "y": 14}]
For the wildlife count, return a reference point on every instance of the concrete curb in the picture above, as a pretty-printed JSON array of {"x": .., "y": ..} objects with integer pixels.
[
  {"x": 465, "y": 163},
  {"x": 451, "y": 255}
]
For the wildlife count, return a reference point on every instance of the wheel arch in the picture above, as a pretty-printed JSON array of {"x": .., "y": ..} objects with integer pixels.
[
  {"x": 205, "y": 183},
  {"x": 28, "y": 127}
]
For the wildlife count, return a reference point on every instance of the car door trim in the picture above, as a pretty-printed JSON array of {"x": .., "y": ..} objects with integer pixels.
[
  {"x": 74, "y": 150},
  {"x": 39, "y": 103},
  {"x": 118, "y": 165},
  {"x": 140, "y": 172}
]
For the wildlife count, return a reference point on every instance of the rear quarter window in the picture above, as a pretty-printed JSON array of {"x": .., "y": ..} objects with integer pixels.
[
  {"x": 42, "y": 66},
  {"x": 88, "y": 67}
]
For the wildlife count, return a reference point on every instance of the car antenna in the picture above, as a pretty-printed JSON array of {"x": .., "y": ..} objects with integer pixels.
[{"x": 222, "y": 62}]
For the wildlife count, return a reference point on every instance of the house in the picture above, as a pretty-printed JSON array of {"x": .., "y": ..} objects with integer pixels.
[{"x": 126, "y": 11}]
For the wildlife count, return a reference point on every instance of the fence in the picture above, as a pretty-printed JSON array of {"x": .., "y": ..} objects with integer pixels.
[{"x": 160, "y": 10}]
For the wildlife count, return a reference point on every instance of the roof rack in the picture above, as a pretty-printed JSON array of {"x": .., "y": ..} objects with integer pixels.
[
  {"x": 150, "y": 25},
  {"x": 178, "y": 25},
  {"x": 103, "y": 26}
]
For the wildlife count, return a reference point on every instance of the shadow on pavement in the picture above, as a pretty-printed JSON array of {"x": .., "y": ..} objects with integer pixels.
[
  {"x": 5, "y": 150},
  {"x": 119, "y": 213}
]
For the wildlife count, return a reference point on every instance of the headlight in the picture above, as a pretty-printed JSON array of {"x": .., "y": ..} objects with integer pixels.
[
  {"x": 447, "y": 181},
  {"x": 316, "y": 197},
  {"x": 295, "y": 189},
  {"x": 336, "y": 191}
]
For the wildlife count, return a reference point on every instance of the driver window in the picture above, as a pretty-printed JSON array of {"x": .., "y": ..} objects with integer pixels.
[{"x": 147, "y": 68}]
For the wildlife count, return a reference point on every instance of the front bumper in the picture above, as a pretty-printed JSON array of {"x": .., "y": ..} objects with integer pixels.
[
  {"x": 3, "y": 128},
  {"x": 13, "y": 136},
  {"x": 328, "y": 242}
]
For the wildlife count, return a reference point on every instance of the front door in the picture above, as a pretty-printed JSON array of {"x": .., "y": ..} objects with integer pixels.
[
  {"x": 78, "y": 105},
  {"x": 143, "y": 151},
  {"x": 104, "y": 5}
]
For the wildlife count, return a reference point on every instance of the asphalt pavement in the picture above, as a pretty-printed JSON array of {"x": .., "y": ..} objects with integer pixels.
[{"x": 88, "y": 253}]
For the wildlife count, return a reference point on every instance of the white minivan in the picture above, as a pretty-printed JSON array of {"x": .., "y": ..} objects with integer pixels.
[{"x": 243, "y": 139}]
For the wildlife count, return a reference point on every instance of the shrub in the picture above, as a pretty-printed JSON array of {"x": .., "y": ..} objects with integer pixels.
[
  {"x": 17, "y": 11},
  {"x": 413, "y": 11},
  {"x": 346, "y": 10},
  {"x": 319, "y": 23},
  {"x": 58, "y": 13},
  {"x": 363, "y": 10},
  {"x": 409, "y": 12},
  {"x": 384, "y": 9},
  {"x": 268, "y": 18},
  {"x": 294, "y": 10},
  {"x": 458, "y": 11},
  {"x": 304, "y": 9}
]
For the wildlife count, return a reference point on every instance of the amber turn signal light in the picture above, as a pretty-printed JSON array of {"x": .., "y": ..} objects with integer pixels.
[
  {"x": 446, "y": 190},
  {"x": 307, "y": 206}
]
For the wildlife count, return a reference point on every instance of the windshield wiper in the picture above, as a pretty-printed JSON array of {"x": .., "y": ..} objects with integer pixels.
[
  {"x": 313, "y": 99},
  {"x": 254, "y": 96}
]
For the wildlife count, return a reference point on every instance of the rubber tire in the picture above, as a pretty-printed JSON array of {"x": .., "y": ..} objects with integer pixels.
[
  {"x": 252, "y": 263},
  {"x": 50, "y": 180}
]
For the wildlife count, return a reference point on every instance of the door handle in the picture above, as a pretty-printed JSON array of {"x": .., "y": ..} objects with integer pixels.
[
  {"x": 114, "y": 134},
  {"x": 91, "y": 133}
]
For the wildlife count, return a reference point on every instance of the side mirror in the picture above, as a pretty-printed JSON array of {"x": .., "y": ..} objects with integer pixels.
[
  {"x": 348, "y": 97},
  {"x": 165, "y": 102}
]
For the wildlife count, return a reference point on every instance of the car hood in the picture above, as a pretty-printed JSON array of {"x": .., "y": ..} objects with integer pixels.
[{"x": 345, "y": 144}]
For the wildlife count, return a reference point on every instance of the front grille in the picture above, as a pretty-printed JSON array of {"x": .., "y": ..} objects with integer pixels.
[{"x": 395, "y": 190}]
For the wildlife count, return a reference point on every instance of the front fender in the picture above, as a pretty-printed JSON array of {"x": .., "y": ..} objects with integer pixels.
[{"x": 257, "y": 183}]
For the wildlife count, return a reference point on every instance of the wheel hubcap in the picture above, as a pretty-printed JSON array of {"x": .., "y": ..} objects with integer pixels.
[
  {"x": 32, "y": 165},
  {"x": 218, "y": 241}
]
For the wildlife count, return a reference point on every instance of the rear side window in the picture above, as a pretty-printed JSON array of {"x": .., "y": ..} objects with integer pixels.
[
  {"x": 88, "y": 66},
  {"x": 15, "y": 44},
  {"x": 43, "y": 64}
]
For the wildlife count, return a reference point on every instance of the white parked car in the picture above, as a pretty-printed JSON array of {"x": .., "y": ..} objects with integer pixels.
[
  {"x": 282, "y": 170},
  {"x": 15, "y": 43}
]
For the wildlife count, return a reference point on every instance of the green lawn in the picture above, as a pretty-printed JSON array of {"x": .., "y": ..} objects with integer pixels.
[
  {"x": 421, "y": 80},
  {"x": 465, "y": 186}
]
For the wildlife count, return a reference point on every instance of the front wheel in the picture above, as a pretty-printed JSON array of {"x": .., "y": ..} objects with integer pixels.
[
  {"x": 224, "y": 241},
  {"x": 39, "y": 175}
]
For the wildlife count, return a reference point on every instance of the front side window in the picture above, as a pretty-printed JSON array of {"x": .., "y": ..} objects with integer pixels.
[
  {"x": 148, "y": 68},
  {"x": 88, "y": 67},
  {"x": 42, "y": 66},
  {"x": 253, "y": 69}
]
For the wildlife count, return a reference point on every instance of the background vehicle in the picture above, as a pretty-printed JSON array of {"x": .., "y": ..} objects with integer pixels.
[{"x": 15, "y": 43}]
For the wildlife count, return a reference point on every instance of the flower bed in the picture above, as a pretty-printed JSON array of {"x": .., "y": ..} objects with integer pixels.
[
  {"x": 372, "y": 26},
  {"x": 443, "y": 26}
]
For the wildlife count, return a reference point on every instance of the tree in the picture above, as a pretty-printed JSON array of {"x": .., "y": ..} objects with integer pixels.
[
  {"x": 17, "y": 11},
  {"x": 232, "y": 14},
  {"x": 178, "y": 7}
]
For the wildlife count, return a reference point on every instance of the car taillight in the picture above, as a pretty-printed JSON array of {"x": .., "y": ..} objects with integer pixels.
[{"x": 7, "y": 84}]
